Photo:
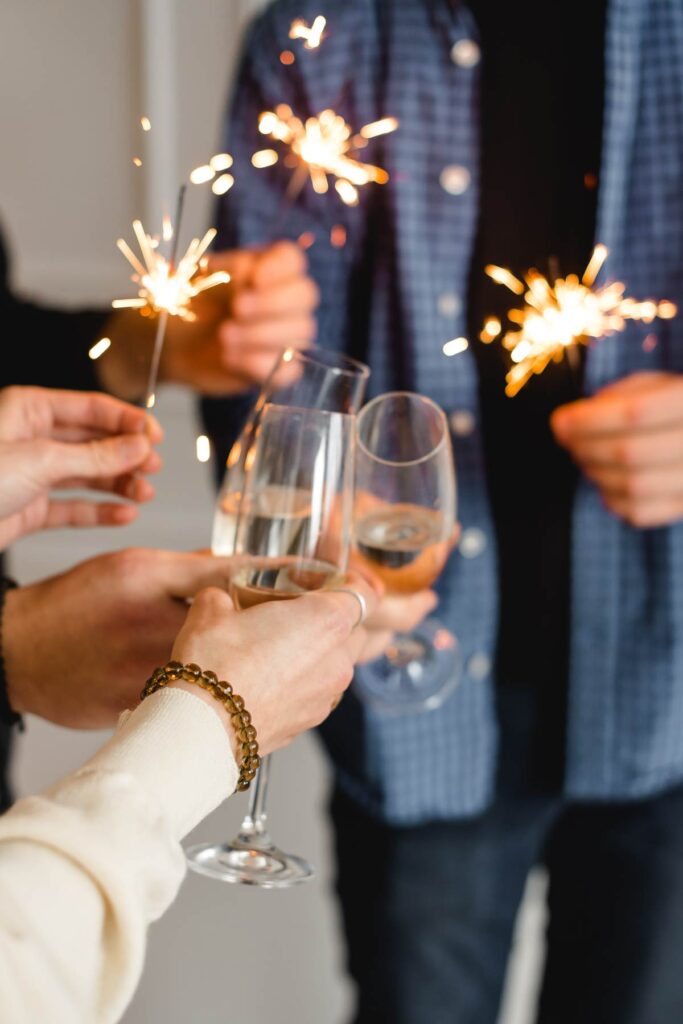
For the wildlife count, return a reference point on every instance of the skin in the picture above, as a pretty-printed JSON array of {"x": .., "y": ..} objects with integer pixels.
[
  {"x": 240, "y": 329},
  {"x": 628, "y": 439},
  {"x": 291, "y": 661},
  {"x": 51, "y": 439}
]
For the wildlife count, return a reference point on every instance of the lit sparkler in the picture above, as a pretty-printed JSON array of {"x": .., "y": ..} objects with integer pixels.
[
  {"x": 166, "y": 287},
  {"x": 311, "y": 34},
  {"x": 559, "y": 315},
  {"x": 324, "y": 146}
]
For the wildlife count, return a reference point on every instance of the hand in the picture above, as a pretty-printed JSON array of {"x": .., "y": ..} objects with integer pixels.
[
  {"x": 628, "y": 439},
  {"x": 79, "y": 647},
  {"x": 290, "y": 660},
  {"x": 51, "y": 439},
  {"x": 239, "y": 331}
]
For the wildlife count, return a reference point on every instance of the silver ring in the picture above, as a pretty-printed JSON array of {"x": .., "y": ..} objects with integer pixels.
[{"x": 362, "y": 603}]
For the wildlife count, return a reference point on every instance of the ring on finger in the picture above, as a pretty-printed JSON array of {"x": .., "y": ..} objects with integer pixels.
[{"x": 362, "y": 603}]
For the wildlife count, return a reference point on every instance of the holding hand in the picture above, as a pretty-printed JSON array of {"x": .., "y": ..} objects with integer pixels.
[
  {"x": 290, "y": 660},
  {"x": 70, "y": 439},
  {"x": 241, "y": 327},
  {"x": 628, "y": 439}
]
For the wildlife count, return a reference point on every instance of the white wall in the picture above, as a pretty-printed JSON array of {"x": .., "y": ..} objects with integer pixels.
[{"x": 75, "y": 76}]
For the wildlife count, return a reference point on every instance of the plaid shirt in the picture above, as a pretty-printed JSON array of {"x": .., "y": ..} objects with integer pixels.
[{"x": 396, "y": 291}]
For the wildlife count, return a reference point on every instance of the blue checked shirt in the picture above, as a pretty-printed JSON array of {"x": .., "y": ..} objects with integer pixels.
[{"x": 396, "y": 292}]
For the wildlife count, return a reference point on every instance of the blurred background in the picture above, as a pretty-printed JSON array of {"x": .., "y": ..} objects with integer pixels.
[{"x": 75, "y": 78}]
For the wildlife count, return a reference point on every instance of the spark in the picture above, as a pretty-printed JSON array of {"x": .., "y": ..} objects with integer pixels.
[
  {"x": 221, "y": 162},
  {"x": 324, "y": 146},
  {"x": 162, "y": 287},
  {"x": 99, "y": 348},
  {"x": 137, "y": 161},
  {"x": 146, "y": 124},
  {"x": 264, "y": 158},
  {"x": 311, "y": 34},
  {"x": 561, "y": 314},
  {"x": 203, "y": 448},
  {"x": 455, "y": 346},
  {"x": 202, "y": 174},
  {"x": 222, "y": 184}
]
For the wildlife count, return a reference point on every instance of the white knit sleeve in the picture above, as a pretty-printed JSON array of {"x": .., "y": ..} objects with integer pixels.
[{"x": 86, "y": 866}]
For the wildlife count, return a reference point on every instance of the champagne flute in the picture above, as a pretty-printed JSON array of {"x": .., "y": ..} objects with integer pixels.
[
  {"x": 311, "y": 378},
  {"x": 403, "y": 531},
  {"x": 295, "y": 537}
]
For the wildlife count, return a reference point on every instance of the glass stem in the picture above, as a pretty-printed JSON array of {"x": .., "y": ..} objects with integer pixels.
[{"x": 257, "y": 818}]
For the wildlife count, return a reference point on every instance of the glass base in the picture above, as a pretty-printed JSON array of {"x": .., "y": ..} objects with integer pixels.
[
  {"x": 258, "y": 863},
  {"x": 417, "y": 673}
]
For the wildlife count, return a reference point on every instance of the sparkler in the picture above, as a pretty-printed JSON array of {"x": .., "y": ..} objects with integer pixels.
[
  {"x": 323, "y": 146},
  {"x": 312, "y": 34},
  {"x": 561, "y": 314},
  {"x": 166, "y": 287}
]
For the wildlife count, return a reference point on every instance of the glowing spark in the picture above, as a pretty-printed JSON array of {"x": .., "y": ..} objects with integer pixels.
[
  {"x": 203, "y": 448},
  {"x": 324, "y": 146},
  {"x": 561, "y": 314},
  {"x": 338, "y": 236},
  {"x": 455, "y": 346},
  {"x": 382, "y": 127},
  {"x": 137, "y": 161},
  {"x": 221, "y": 162},
  {"x": 312, "y": 34},
  {"x": 164, "y": 288},
  {"x": 146, "y": 124},
  {"x": 222, "y": 184},
  {"x": 202, "y": 174},
  {"x": 151, "y": 399},
  {"x": 166, "y": 228},
  {"x": 491, "y": 329},
  {"x": 99, "y": 348},
  {"x": 264, "y": 158},
  {"x": 287, "y": 58}
]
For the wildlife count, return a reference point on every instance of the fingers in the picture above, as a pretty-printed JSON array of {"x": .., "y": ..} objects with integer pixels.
[
  {"x": 296, "y": 297},
  {"x": 646, "y": 513},
  {"x": 278, "y": 262},
  {"x": 253, "y": 348},
  {"x": 77, "y": 513},
  {"x": 639, "y": 484},
  {"x": 402, "y": 614},
  {"x": 634, "y": 450},
  {"x": 184, "y": 574},
  {"x": 103, "y": 413},
  {"x": 640, "y": 402},
  {"x": 92, "y": 460}
]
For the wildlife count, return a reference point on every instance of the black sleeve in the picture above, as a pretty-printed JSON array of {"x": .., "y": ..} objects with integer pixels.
[{"x": 45, "y": 346}]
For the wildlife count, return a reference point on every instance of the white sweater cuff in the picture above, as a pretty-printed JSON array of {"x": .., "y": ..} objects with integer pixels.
[{"x": 177, "y": 750}]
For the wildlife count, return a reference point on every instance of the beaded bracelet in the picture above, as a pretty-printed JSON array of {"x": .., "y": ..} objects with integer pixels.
[{"x": 222, "y": 691}]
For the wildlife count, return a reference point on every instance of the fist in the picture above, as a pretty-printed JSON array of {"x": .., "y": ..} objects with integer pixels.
[{"x": 628, "y": 439}]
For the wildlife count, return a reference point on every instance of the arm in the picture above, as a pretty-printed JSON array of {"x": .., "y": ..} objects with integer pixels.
[{"x": 87, "y": 866}]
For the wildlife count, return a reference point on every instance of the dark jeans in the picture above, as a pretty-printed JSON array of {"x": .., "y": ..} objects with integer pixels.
[{"x": 429, "y": 911}]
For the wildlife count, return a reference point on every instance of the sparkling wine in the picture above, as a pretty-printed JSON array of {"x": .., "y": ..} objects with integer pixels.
[
  {"x": 270, "y": 522},
  {"x": 405, "y": 545},
  {"x": 280, "y": 580}
]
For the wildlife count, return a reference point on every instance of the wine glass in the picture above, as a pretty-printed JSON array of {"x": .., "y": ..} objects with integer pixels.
[
  {"x": 313, "y": 378},
  {"x": 403, "y": 533},
  {"x": 286, "y": 504}
]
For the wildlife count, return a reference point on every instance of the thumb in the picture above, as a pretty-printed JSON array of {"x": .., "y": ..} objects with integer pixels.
[
  {"x": 90, "y": 460},
  {"x": 186, "y": 573}
]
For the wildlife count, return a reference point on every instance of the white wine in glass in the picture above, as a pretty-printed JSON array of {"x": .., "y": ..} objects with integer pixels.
[{"x": 403, "y": 531}]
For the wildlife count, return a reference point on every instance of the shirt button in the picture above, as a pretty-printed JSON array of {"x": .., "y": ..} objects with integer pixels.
[
  {"x": 455, "y": 179},
  {"x": 462, "y": 422},
  {"x": 465, "y": 53},
  {"x": 478, "y": 665},
  {"x": 472, "y": 542},
  {"x": 448, "y": 304}
]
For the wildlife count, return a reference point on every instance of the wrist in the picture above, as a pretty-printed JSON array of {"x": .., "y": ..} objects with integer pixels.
[{"x": 215, "y": 706}]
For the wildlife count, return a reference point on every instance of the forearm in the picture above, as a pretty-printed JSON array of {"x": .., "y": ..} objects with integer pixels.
[{"x": 87, "y": 866}]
